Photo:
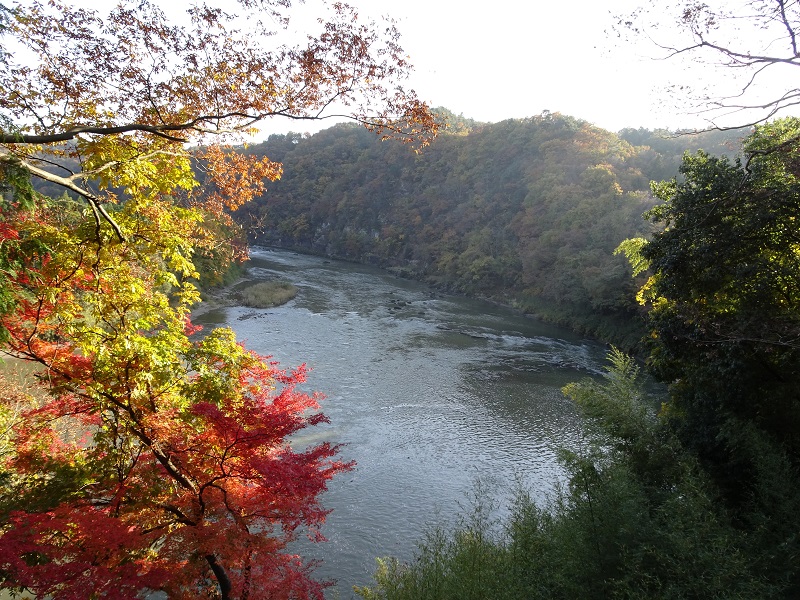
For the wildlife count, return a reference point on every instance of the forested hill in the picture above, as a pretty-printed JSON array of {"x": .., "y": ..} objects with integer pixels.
[{"x": 526, "y": 211}]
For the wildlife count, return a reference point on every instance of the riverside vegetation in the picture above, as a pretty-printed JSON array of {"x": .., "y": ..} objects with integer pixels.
[
  {"x": 526, "y": 212},
  {"x": 267, "y": 294}
]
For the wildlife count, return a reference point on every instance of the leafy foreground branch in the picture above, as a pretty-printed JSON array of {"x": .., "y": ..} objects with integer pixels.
[
  {"x": 100, "y": 95},
  {"x": 637, "y": 519},
  {"x": 156, "y": 461}
]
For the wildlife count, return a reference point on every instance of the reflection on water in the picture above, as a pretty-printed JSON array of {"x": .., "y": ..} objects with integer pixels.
[{"x": 426, "y": 392}]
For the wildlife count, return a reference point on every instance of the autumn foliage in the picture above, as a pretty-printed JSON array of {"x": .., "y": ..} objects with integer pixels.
[
  {"x": 158, "y": 461},
  {"x": 157, "y": 457}
]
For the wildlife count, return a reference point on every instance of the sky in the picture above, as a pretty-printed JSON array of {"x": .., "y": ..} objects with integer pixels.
[
  {"x": 504, "y": 59},
  {"x": 510, "y": 58}
]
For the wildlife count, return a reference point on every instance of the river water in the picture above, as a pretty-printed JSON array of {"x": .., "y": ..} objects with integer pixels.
[{"x": 426, "y": 392}]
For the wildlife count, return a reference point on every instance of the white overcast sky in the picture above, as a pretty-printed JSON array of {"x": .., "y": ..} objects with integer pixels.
[
  {"x": 509, "y": 58},
  {"x": 501, "y": 59},
  {"x": 506, "y": 59}
]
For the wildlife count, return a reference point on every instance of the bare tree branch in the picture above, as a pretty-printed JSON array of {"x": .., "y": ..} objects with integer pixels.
[{"x": 753, "y": 38}]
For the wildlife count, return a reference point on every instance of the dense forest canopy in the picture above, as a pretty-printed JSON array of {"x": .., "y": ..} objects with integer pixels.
[{"x": 526, "y": 211}]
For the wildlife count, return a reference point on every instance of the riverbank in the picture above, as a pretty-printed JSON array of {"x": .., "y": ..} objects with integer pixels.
[{"x": 217, "y": 297}]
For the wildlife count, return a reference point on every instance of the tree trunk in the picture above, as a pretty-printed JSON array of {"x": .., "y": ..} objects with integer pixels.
[{"x": 222, "y": 577}]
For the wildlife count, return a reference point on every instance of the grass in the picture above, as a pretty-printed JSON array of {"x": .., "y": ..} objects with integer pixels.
[{"x": 267, "y": 294}]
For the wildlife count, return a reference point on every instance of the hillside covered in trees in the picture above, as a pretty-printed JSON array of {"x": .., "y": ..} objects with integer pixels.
[{"x": 526, "y": 212}]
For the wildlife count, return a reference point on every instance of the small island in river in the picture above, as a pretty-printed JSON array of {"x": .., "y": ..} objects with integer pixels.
[{"x": 267, "y": 294}]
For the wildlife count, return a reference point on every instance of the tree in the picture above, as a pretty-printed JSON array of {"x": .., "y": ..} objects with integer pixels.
[
  {"x": 726, "y": 285},
  {"x": 725, "y": 327},
  {"x": 756, "y": 41},
  {"x": 156, "y": 460}
]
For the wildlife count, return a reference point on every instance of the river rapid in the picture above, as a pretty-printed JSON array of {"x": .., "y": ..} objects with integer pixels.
[{"x": 426, "y": 392}]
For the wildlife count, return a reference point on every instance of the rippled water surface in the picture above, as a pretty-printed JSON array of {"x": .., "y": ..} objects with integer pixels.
[{"x": 425, "y": 391}]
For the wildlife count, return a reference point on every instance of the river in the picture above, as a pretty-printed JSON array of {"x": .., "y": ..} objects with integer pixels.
[{"x": 426, "y": 392}]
